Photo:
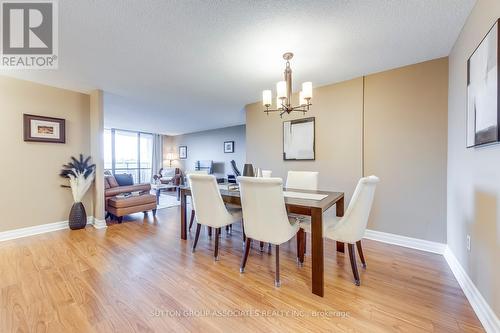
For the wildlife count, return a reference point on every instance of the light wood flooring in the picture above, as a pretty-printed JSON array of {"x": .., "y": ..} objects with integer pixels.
[{"x": 140, "y": 277}]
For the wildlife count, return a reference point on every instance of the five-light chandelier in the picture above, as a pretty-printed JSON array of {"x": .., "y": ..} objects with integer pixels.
[{"x": 284, "y": 93}]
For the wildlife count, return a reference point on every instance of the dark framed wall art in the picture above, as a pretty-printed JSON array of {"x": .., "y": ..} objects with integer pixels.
[
  {"x": 44, "y": 129},
  {"x": 183, "y": 152},
  {"x": 228, "y": 147},
  {"x": 483, "y": 105}
]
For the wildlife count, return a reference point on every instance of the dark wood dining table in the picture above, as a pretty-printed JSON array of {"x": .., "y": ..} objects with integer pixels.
[{"x": 309, "y": 207}]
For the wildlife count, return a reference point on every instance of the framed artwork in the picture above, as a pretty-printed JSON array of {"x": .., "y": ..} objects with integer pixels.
[
  {"x": 228, "y": 146},
  {"x": 44, "y": 129},
  {"x": 183, "y": 152},
  {"x": 299, "y": 140},
  {"x": 483, "y": 107}
]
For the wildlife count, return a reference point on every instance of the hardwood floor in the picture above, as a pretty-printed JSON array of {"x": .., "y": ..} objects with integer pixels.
[{"x": 140, "y": 277}]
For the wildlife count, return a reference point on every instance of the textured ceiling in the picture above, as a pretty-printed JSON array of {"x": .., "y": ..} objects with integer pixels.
[{"x": 182, "y": 66}]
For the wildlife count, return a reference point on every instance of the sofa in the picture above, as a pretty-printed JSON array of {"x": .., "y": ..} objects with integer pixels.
[{"x": 118, "y": 207}]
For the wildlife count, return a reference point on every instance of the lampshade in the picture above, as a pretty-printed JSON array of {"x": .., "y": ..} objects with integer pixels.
[
  {"x": 281, "y": 89},
  {"x": 170, "y": 156},
  {"x": 279, "y": 103},
  {"x": 267, "y": 98},
  {"x": 302, "y": 100},
  {"x": 307, "y": 88}
]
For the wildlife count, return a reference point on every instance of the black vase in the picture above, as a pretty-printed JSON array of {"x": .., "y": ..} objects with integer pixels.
[
  {"x": 77, "y": 216},
  {"x": 248, "y": 170}
]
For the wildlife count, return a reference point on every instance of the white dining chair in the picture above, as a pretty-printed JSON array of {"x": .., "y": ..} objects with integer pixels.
[
  {"x": 194, "y": 172},
  {"x": 264, "y": 216},
  {"x": 209, "y": 207},
  {"x": 302, "y": 180},
  {"x": 351, "y": 227},
  {"x": 266, "y": 173}
]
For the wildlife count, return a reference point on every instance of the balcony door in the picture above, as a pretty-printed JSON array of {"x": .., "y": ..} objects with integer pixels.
[{"x": 129, "y": 152}]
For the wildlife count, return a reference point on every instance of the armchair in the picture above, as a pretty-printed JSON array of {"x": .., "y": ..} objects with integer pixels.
[{"x": 170, "y": 176}]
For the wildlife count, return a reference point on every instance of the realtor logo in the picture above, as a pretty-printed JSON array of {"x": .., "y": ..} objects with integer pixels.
[{"x": 29, "y": 34}]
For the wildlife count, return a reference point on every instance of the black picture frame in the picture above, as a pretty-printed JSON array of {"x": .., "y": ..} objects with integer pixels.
[
  {"x": 300, "y": 121},
  {"x": 183, "y": 152},
  {"x": 471, "y": 138},
  {"x": 50, "y": 129},
  {"x": 228, "y": 147}
]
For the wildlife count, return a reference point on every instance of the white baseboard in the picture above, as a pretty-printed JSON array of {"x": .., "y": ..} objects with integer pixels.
[
  {"x": 413, "y": 243},
  {"x": 488, "y": 318},
  {"x": 37, "y": 229}
]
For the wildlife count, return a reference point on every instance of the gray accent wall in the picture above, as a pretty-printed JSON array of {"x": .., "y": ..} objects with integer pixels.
[
  {"x": 209, "y": 145},
  {"x": 474, "y": 173}
]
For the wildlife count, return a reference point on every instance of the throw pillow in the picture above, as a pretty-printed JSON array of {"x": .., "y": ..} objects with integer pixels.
[
  {"x": 112, "y": 181},
  {"x": 124, "y": 179},
  {"x": 106, "y": 183}
]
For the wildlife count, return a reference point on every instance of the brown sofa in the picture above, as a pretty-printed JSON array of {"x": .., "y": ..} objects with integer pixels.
[{"x": 123, "y": 206}]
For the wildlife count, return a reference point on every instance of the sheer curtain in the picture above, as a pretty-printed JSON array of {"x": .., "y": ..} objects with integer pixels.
[{"x": 157, "y": 154}]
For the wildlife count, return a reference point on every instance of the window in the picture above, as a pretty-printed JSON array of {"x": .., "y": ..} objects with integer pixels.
[{"x": 129, "y": 152}]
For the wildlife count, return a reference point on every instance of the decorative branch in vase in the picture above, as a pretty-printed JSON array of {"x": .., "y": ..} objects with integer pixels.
[{"x": 81, "y": 174}]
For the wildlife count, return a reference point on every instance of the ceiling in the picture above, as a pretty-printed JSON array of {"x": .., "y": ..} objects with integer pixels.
[{"x": 179, "y": 66}]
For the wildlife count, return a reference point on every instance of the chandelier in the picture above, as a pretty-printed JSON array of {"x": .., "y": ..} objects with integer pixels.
[{"x": 284, "y": 93}]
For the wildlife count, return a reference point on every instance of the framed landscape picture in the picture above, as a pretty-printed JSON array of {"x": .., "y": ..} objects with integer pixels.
[
  {"x": 183, "y": 152},
  {"x": 44, "y": 129},
  {"x": 483, "y": 112},
  {"x": 298, "y": 140},
  {"x": 228, "y": 146}
]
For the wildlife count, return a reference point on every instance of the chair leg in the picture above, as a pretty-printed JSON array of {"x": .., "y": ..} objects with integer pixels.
[
  {"x": 352, "y": 257},
  {"x": 300, "y": 247},
  {"x": 216, "y": 251},
  {"x": 154, "y": 212},
  {"x": 243, "y": 230},
  {"x": 261, "y": 246},
  {"x": 245, "y": 255},
  {"x": 210, "y": 232},
  {"x": 277, "y": 281},
  {"x": 269, "y": 248},
  {"x": 360, "y": 251},
  {"x": 198, "y": 228},
  {"x": 192, "y": 219}
]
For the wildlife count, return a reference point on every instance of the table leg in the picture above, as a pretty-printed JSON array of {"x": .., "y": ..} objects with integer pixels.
[
  {"x": 178, "y": 193},
  {"x": 158, "y": 196},
  {"x": 183, "y": 216},
  {"x": 340, "y": 212},
  {"x": 317, "y": 251}
]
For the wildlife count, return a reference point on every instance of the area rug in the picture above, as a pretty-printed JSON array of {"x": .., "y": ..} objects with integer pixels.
[{"x": 168, "y": 201}]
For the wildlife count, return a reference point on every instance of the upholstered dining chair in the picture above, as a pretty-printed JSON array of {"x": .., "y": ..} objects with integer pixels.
[
  {"x": 209, "y": 207},
  {"x": 264, "y": 216},
  {"x": 266, "y": 173},
  {"x": 351, "y": 227},
  {"x": 302, "y": 180},
  {"x": 193, "y": 172}
]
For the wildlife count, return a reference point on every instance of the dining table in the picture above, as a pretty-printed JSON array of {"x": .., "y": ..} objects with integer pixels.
[{"x": 303, "y": 202}]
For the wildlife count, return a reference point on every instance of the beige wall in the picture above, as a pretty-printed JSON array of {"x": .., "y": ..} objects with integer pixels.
[
  {"x": 473, "y": 174},
  {"x": 30, "y": 192},
  {"x": 405, "y": 145},
  {"x": 208, "y": 145},
  {"x": 338, "y": 110},
  {"x": 402, "y": 108}
]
